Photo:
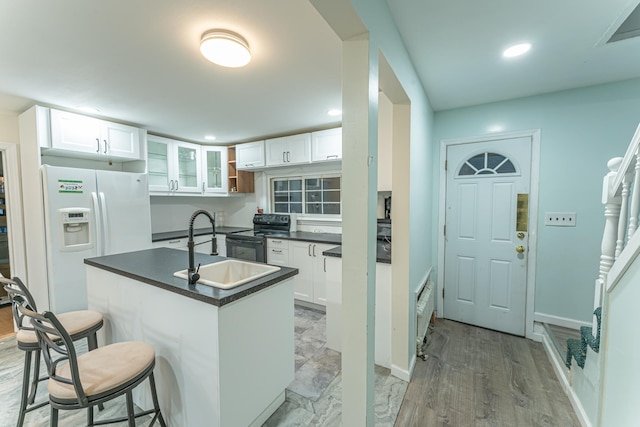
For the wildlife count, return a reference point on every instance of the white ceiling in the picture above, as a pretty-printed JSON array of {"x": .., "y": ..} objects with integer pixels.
[
  {"x": 138, "y": 61},
  {"x": 456, "y": 46}
]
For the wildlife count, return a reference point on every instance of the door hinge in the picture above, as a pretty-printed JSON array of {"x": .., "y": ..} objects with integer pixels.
[
  {"x": 445, "y": 230},
  {"x": 446, "y": 164},
  {"x": 442, "y": 293}
]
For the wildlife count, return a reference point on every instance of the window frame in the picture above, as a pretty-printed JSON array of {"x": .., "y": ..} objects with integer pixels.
[{"x": 304, "y": 176}]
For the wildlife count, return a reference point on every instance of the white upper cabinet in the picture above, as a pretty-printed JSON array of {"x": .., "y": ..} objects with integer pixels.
[
  {"x": 173, "y": 166},
  {"x": 326, "y": 145},
  {"x": 214, "y": 169},
  {"x": 89, "y": 136},
  {"x": 288, "y": 150},
  {"x": 250, "y": 155}
]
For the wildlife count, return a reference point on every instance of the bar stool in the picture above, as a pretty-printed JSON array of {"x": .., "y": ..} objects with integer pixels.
[
  {"x": 77, "y": 382},
  {"x": 79, "y": 324}
]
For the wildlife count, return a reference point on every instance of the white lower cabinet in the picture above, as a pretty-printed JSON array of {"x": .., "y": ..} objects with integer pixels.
[
  {"x": 309, "y": 285},
  {"x": 173, "y": 243},
  {"x": 202, "y": 244},
  {"x": 278, "y": 252}
]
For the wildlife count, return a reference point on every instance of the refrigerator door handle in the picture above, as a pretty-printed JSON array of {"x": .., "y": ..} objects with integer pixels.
[
  {"x": 97, "y": 222},
  {"x": 105, "y": 223}
]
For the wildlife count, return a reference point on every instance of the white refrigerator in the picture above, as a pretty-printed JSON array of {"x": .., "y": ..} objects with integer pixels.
[{"x": 90, "y": 213}]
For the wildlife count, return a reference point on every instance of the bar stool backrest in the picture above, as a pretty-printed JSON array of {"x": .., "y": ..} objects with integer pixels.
[
  {"x": 57, "y": 348},
  {"x": 20, "y": 297}
]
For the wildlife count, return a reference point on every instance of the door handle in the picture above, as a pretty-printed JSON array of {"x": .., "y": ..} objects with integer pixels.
[
  {"x": 283, "y": 159},
  {"x": 520, "y": 249},
  {"x": 98, "y": 142},
  {"x": 288, "y": 156},
  {"x": 314, "y": 251},
  {"x": 105, "y": 146},
  {"x": 309, "y": 249},
  {"x": 170, "y": 185}
]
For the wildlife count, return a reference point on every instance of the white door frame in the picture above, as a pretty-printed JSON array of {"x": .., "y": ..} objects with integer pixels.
[
  {"x": 534, "y": 134},
  {"x": 15, "y": 225}
]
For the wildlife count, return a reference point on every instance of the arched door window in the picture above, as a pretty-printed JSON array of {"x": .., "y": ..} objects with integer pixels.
[{"x": 487, "y": 164}]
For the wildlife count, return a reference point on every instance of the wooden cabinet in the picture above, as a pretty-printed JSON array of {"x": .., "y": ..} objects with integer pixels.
[
  {"x": 173, "y": 166},
  {"x": 214, "y": 169},
  {"x": 250, "y": 155},
  {"x": 309, "y": 285},
  {"x": 326, "y": 145},
  {"x": 92, "y": 137},
  {"x": 239, "y": 181},
  {"x": 288, "y": 150}
]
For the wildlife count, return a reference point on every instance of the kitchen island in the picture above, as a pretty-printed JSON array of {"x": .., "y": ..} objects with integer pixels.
[{"x": 223, "y": 357}]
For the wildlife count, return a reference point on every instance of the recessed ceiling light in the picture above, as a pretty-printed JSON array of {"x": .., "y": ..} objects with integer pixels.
[
  {"x": 516, "y": 50},
  {"x": 225, "y": 48},
  {"x": 495, "y": 128},
  {"x": 334, "y": 112},
  {"x": 210, "y": 137}
]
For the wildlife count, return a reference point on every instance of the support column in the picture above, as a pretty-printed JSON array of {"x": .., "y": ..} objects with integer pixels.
[{"x": 359, "y": 182}]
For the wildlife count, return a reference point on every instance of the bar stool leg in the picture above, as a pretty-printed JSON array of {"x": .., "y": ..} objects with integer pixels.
[
  {"x": 92, "y": 344},
  {"x": 130, "y": 412},
  {"x": 36, "y": 377},
  {"x": 154, "y": 396},
  {"x": 53, "y": 422},
  {"x": 26, "y": 375}
]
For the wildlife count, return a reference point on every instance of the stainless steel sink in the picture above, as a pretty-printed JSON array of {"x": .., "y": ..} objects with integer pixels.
[{"x": 230, "y": 273}]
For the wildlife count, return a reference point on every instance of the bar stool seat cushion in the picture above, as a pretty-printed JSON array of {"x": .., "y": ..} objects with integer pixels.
[
  {"x": 74, "y": 322},
  {"x": 104, "y": 369}
]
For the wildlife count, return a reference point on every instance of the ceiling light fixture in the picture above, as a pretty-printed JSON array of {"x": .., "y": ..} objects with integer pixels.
[
  {"x": 334, "y": 112},
  {"x": 225, "y": 48},
  {"x": 210, "y": 137},
  {"x": 516, "y": 50}
]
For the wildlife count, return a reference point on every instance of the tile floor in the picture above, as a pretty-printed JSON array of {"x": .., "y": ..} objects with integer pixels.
[
  {"x": 313, "y": 399},
  {"x": 315, "y": 396}
]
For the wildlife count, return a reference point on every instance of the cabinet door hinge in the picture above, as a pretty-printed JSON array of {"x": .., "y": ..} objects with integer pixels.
[
  {"x": 442, "y": 293},
  {"x": 445, "y": 230},
  {"x": 446, "y": 164}
]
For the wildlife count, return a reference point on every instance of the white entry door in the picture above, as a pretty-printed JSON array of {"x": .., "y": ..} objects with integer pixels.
[{"x": 485, "y": 250}]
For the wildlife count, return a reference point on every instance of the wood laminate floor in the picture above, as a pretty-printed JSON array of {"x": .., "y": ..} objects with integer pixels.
[
  {"x": 6, "y": 322},
  {"x": 477, "y": 377}
]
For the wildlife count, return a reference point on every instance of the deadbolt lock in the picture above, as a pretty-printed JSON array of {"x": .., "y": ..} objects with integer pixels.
[
  {"x": 520, "y": 249},
  {"x": 520, "y": 235}
]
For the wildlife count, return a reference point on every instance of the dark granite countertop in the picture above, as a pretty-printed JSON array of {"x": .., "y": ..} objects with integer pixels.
[
  {"x": 383, "y": 252},
  {"x": 156, "y": 267},
  {"x": 180, "y": 234},
  {"x": 329, "y": 238}
]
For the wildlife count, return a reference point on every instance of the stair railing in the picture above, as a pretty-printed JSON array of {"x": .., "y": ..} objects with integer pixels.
[{"x": 621, "y": 199}]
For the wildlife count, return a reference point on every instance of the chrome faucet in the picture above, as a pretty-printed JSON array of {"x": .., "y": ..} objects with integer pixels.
[{"x": 192, "y": 272}]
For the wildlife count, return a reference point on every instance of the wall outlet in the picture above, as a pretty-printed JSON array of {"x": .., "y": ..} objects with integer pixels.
[{"x": 560, "y": 219}]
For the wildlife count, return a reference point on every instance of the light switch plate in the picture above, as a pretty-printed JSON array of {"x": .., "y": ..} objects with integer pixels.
[{"x": 560, "y": 219}]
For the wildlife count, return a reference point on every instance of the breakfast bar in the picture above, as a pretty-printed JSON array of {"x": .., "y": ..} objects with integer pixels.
[{"x": 223, "y": 356}]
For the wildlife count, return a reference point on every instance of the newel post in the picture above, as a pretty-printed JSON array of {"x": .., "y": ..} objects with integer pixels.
[{"x": 612, "y": 205}]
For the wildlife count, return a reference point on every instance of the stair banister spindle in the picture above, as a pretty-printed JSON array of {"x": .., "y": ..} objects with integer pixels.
[
  {"x": 624, "y": 214},
  {"x": 635, "y": 199},
  {"x": 611, "y": 204}
]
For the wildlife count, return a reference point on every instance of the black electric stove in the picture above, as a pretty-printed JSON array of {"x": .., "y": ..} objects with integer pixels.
[{"x": 251, "y": 245}]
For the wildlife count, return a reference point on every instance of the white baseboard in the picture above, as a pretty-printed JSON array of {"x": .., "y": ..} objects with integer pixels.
[
  {"x": 562, "y": 374},
  {"x": 565, "y": 322},
  {"x": 402, "y": 373}
]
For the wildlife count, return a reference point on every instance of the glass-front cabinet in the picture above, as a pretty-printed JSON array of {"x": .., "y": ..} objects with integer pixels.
[
  {"x": 173, "y": 166},
  {"x": 214, "y": 169}
]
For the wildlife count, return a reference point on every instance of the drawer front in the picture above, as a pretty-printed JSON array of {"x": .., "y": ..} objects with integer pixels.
[
  {"x": 277, "y": 256},
  {"x": 277, "y": 244}
]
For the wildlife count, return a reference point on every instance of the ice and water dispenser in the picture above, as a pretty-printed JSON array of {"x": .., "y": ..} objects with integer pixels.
[{"x": 75, "y": 228}]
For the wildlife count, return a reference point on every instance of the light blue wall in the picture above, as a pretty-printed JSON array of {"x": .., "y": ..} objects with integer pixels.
[
  {"x": 580, "y": 131},
  {"x": 384, "y": 37}
]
